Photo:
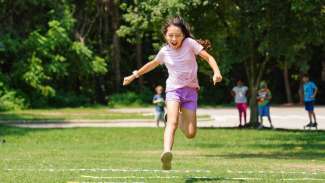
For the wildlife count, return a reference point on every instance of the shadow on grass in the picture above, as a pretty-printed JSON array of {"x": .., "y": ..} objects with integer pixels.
[
  {"x": 208, "y": 179},
  {"x": 8, "y": 117},
  {"x": 6, "y": 131},
  {"x": 273, "y": 144},
  {"x": 273, "y": 155}
]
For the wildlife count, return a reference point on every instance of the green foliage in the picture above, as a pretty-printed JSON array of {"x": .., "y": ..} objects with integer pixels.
[
  {"x": 10, "y": 99},
  {"x": 55, "y": 49},
  {"x": 131, "y": 99}
]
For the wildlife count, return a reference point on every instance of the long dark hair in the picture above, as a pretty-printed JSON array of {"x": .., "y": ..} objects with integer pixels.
[{"x": 179, "y": 22}]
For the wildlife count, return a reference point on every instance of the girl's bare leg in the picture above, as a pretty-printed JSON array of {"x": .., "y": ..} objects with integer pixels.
[
  {"x": 187, "y": 122},
  {"x": 172, "y": 124}
]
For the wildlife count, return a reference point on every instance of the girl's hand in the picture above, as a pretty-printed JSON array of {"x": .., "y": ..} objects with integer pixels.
[
  {"x": 127, "y": 80},
  {"x": 216, "y": 78}
]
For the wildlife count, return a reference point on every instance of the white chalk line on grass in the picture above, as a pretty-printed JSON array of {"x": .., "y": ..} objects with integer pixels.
[
  {"x": 173, "y": 177},
  {"x": 109, "y": 170},
  {"x": 104, "y": 182},
  {"x": 275, "y": 172},
  {"x": 204, "y": 178}
]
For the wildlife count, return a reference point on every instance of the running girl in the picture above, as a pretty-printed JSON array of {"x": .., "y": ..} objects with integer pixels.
[{"x": 179, "y": 56}]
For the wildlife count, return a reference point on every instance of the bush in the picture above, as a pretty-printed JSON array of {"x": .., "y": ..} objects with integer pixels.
[
  {"x": 143, "y": 98},
  {"x": 69, "y": 100},
  {"x": 61, "y": 99},
  {"x": 9, "y": 100}
]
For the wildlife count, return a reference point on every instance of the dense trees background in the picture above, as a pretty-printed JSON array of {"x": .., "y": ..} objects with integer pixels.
[{"x": 72, "y": 53}]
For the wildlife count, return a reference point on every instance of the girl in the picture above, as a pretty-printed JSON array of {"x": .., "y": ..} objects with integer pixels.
[{"x": 182, "y": 86}]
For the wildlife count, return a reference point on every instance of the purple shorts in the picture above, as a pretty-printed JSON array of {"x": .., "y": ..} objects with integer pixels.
[{"x": 187, "y": 97}]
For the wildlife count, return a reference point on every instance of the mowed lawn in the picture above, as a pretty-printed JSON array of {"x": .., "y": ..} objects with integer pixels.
[
  {"x": 132, "y": 155},
  {"x": 91, "y": 113}
]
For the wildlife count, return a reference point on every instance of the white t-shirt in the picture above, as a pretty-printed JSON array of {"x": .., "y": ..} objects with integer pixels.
[
  {"x": 181, "y": 64},
  {"x": 240, "y": 94}
]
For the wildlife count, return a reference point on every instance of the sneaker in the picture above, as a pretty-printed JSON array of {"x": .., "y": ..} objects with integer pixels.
[
  {"x": 310, "y": 124},
  {"x": 314, "y": 124},
  {"x": 166, "y": 160}
]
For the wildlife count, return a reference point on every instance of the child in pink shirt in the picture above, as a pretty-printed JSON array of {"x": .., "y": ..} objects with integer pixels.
[{"x": 179, "y": 56}]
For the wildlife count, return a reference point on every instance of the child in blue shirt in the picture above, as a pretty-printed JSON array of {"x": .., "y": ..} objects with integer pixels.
[
  {"x": 310, "y": 91},
  {"x": 159, "y": 102}
]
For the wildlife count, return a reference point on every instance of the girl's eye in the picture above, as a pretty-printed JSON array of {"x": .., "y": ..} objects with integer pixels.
[{"x": 174, "y": 35}]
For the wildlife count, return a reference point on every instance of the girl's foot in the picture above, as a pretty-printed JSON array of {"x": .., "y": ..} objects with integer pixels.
[{"x": 166, "y": 160}]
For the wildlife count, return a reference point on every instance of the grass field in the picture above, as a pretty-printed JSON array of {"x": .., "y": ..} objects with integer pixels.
[
  {"x": 132, "y": 155},
  {"x": 101, "y": 113},
  {"x": 70, "y": 113}
]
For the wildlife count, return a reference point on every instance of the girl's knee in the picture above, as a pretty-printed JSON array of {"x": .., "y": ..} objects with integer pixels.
[
  {"x": 191, "y": 134},
  {"x": 172, "y": 123}
]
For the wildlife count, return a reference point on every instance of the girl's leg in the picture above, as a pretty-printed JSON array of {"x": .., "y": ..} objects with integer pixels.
[
  {"x": 261, "y": 121},
  {"x": 172, "y": 123},
  {"x": 240, "y": 116},
  {"x": 245, "y": 117},
  {"x": 187, "y": 122},
  {"x": 270, "y": 121}
]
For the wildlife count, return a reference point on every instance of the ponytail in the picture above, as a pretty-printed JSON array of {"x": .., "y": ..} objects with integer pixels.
[{"x": 205, "y": 43}]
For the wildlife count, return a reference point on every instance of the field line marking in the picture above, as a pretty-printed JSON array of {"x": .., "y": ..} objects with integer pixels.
[
  {"x": 172, "y": 177},
  {"x": 131, "y": 177},
  {"x": 274, "y": 172},
  {"x": 109, "y": 170},
  {"x": 221, "y": 178},
  {"x": 306, "y": 179}
]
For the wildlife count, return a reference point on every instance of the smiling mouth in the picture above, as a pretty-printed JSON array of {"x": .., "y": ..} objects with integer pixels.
[{"x": 174, "y": 44}]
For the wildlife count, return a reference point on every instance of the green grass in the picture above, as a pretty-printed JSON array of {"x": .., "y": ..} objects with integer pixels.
[
  {"x": 223, "y": 152},
  {"x": 70, "y": 113},
  {"x": 101, "y": 113}
]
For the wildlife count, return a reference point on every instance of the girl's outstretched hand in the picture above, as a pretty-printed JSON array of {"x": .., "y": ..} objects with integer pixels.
[
  {"x": 127, "y": 80},
  {"x": 216, "y": 78}
]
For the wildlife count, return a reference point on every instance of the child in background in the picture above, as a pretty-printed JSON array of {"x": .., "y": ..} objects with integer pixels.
[
  {"x": 263, "y": 100},
  {"x": 239, "y": 92},
  {"x": 159, "y": 102},
  {"x": 310, "y": 91}
]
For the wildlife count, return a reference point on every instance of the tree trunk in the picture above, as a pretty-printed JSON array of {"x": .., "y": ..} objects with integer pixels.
[
  {"x": 253, "y": 120},
  {"x": 251, "y": 75},
  {"x": 116, "y": 51},
  {"x": 301, "y": 91},
  {"x": 287, "y": 83},
  {"x": 254, "y": 73},
  {"x": 139, "y": 59}
]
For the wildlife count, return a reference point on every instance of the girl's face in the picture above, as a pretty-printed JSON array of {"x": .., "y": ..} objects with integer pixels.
[{"x": 174, "y": 36}]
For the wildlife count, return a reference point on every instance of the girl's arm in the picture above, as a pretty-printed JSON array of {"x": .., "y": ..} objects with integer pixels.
[
  {"x": 144, "y": 69},
  {"x": 213, "y": 64}
]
